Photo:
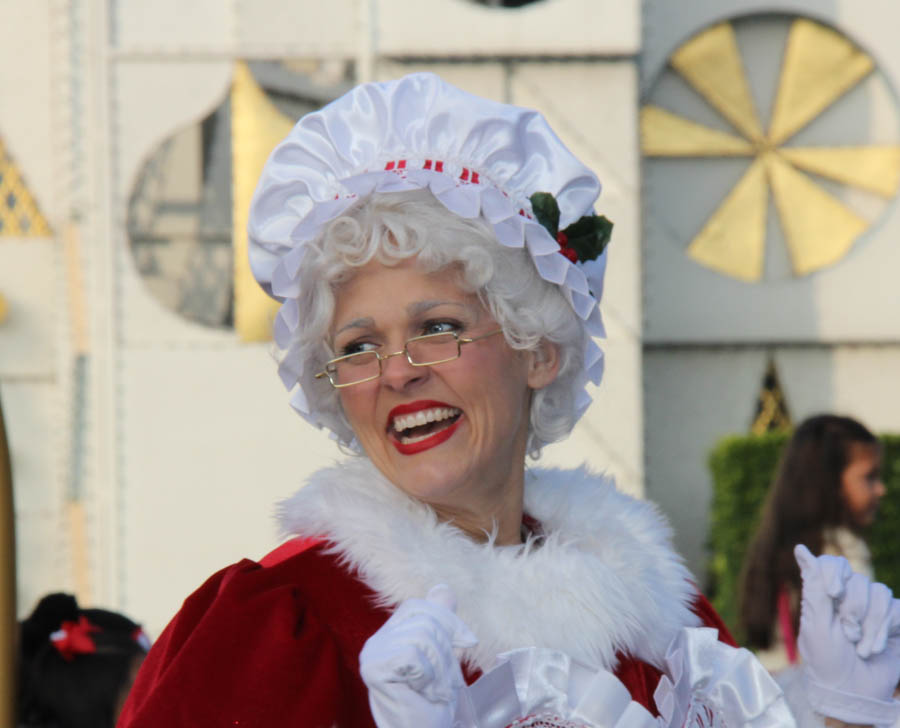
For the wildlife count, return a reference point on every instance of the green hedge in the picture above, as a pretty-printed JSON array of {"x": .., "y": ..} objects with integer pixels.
[{"x": 742, "y": 469}]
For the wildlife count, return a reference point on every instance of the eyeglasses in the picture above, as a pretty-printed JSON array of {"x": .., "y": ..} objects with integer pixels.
[{"x": 420, "y": 351}]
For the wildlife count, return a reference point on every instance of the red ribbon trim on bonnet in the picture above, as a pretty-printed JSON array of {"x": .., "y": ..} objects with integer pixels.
[{"x": 74, "y": 638}]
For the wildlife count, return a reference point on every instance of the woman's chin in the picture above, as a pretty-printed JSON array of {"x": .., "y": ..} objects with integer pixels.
[{"x": 431, "y": 482}]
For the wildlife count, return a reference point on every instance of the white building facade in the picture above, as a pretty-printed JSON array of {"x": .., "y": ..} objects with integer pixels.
[{"x": 149, "y": 432}]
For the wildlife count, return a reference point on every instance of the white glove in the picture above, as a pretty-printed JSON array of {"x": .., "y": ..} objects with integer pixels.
[
  {"x": 849, "y": 640},
  {"x": 409, "y": 666}
]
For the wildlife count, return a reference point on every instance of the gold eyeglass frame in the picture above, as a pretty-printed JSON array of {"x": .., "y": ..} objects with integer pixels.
[{"x": 381, "y": 358}]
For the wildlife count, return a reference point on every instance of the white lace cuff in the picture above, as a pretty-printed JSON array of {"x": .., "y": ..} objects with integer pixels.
[
  {"x": 535, "y": 687},
  {"x": 712, "y": 684}
]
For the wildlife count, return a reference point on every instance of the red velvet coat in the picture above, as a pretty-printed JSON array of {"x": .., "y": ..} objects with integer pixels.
[{"x": 270, "y": 646}]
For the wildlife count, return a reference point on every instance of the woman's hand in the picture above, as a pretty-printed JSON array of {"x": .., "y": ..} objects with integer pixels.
[
  {"x": 849, "y": 640},
  {"x": 410, "y": 667}
]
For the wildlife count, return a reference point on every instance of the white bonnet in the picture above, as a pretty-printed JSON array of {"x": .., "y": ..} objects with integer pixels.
[{"x": 478, "y": 157}]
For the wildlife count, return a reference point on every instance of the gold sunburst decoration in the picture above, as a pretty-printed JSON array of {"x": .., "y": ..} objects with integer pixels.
[{"x": 818, "y": 68}]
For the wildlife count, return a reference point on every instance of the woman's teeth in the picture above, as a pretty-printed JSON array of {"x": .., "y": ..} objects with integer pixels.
[
  {"x": 424, "y": 417},
  {"x": 410, "y": 440}
]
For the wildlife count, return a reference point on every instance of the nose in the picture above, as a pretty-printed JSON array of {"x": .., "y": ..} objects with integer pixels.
[
  {"x": 398, "y": 374},
  {"x": 880, "y": 489}
]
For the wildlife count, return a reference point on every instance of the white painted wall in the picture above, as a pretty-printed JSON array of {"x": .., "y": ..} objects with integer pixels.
[
  {"x": 188, "y": 439},
  {"x": 33, "y": 338},
  {"x": 548, "y": 28}
]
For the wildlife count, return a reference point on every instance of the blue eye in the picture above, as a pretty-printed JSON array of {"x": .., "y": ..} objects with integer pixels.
[
  {"x": 443, "y": 326},
  {"x": 355, "y": 347}
]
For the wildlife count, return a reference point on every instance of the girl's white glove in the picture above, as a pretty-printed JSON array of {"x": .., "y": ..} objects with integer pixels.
[
  {"x": 849, "y": 640},
  {"x": 409, "y": 664}
]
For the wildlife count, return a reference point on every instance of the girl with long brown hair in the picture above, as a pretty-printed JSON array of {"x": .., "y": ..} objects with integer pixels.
[{"x": 825, "y": 493}]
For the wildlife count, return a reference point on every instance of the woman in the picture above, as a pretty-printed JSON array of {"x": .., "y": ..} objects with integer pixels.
[
  {"x": 826, "y": 493},
  {"x": 440, "y": 267}
]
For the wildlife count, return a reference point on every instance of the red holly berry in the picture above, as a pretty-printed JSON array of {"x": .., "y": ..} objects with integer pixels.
[
  {"x": 570, "y": 254},
  {"x": 562, "y": 239}
]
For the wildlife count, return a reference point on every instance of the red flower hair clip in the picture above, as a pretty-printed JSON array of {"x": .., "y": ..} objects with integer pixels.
[{"x": 74, "y": 638}]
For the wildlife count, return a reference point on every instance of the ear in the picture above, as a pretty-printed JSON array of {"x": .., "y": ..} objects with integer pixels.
[{"x": 544, "y": 365}]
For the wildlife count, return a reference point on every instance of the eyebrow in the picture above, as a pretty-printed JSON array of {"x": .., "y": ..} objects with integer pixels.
[
  {"x": 366, "y": 322},
  {"x": 420, "y": 307},
  {"x": 412, "y": 310}
]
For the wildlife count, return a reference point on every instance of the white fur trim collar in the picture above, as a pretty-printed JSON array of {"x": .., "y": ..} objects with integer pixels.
[{"x": 603, "y": 579}]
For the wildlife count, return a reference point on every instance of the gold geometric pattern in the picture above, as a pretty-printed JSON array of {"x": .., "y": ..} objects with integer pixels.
[
  {"x": 256, "y": 127},
  {"x": 666, "y": 134},
  {"x": 809, "y": 215},
  {"x": 874, "y": 168},
  {"x": 772, "y": 413},
  {"x": 19, "y": 213},
  {"x": 712, "y": 64},
  {"x": 819, "y": 67},
  {"x": 736, "y": 251}
]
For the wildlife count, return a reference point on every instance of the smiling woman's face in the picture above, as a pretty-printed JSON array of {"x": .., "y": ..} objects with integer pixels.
[{"x": 475, "y": 408}]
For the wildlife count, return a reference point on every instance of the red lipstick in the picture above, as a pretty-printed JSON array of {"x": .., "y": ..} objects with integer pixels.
[
  {"x": 412, "y": 448},
  {"x": 410, "y": 407}
]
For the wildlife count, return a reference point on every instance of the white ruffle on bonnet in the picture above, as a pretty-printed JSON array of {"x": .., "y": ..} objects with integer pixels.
[{"x": 478, "y": 157}]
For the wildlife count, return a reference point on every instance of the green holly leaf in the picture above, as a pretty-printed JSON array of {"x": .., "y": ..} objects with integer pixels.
[
  {"x": 589, "y": 236},
  {"x": 546, "y": 211}
]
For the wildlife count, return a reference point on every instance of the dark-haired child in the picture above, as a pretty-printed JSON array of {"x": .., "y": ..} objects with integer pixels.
[
  {"x": 75, "y": 665},
  {"x": 826, "y": 492}
]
